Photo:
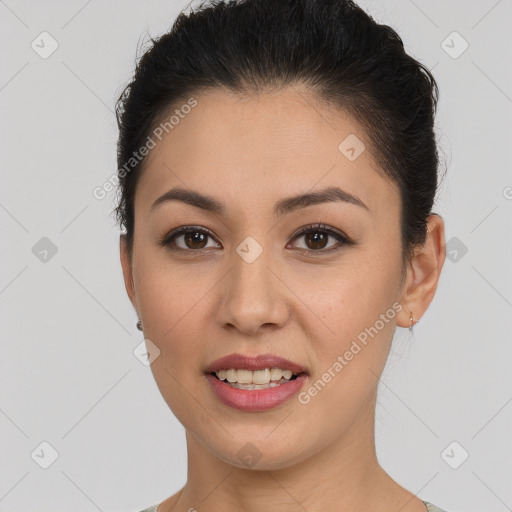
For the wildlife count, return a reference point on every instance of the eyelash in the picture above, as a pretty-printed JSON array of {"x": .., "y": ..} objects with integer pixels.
[{"x": 314, "y": 228}]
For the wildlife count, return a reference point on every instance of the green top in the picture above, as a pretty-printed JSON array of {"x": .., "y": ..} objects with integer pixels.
[{"x": 430, "y": 508}]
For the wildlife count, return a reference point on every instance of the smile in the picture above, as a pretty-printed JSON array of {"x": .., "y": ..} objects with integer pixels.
[{"x": 255, "y": 397}]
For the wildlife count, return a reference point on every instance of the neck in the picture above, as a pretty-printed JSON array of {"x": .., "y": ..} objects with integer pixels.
[{"x": 345, "y": 472}]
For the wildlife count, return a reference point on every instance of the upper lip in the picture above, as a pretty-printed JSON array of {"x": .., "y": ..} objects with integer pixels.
[{"x": 259, "y": 362}]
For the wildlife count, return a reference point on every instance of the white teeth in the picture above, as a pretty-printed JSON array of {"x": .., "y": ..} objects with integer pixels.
[
  {"x": 276, "y": 374},
  {"x": 287, "y": 374},
  {"x": 254, "y": 377},
  {"x": 261, "y": 376},
  {"x": 231, "y": 375},
  {"x": 257, "y": 386},
  {"x": 240, "y": 376}
]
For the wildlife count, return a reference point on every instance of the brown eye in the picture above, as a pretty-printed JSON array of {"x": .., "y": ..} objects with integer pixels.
[
  {"x": 194, "y": 239},
  {"x": 316, "y": 240}
]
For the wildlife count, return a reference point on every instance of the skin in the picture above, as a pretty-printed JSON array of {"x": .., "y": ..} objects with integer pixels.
[{"x": 249, "y": 153}]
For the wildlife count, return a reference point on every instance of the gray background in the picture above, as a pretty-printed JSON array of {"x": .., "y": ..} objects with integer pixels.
[{"x": 68, "y": 375}]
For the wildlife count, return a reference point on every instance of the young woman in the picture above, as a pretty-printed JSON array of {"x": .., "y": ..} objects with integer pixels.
[{"x": 277, "y": 172}]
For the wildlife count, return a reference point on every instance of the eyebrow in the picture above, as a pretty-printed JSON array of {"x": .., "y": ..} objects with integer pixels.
[{"x": 282, "y": 207}]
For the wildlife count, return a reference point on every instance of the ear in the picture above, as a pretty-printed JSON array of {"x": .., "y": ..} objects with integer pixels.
[
  {"x": 126, "y": 265},
  {"x": 423, "y": 273}
]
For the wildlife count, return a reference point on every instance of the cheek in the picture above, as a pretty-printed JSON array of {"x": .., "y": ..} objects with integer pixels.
[
  {"x": 349, "y": 295},
  {"x": 356, "y": 321},
  {"x": 169, "y": 297},
  {"x": 172, "y": 301},
  {"x": 353, "y": 318}
]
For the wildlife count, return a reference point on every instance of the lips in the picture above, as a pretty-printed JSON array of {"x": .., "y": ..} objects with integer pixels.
[
  {"x": 259, "y": 362},
  {"x": 255, "y": 400}
]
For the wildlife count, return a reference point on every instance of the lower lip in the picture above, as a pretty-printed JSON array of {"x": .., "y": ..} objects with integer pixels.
[{"x": 255, "y": 399}]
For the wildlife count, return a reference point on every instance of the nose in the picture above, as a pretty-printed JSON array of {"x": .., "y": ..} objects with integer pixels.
[{"x": 253, "y": 297}]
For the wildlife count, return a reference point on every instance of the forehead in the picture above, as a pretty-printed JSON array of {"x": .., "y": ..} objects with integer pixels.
[{"x": 253, "y": 148}]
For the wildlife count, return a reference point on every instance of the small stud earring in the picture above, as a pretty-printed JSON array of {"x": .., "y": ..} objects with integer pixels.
[
  {"x": 139, "y": 325},
  {"x": 411, "y": 319}
]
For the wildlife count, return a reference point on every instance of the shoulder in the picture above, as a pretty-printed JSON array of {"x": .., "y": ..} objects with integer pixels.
[
  {"x": 433, "y": 508},
  {"x": 430, "y": 508}
]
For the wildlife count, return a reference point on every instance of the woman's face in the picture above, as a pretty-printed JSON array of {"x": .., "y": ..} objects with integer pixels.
[{"x": 254, "y": 286}]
